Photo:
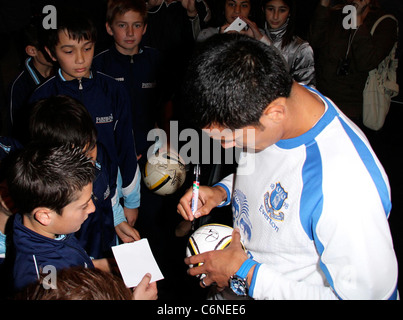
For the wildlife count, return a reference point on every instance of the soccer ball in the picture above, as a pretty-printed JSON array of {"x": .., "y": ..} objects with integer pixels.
[
  {"x": 164, "y": 173},
  {"x": 209, "y": 237}
]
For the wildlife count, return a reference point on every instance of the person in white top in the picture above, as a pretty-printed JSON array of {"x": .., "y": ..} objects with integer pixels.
[{"x": 310, "y": 199}]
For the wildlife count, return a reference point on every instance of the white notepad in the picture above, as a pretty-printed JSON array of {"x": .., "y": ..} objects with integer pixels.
[{"x": 134, "y": 260}]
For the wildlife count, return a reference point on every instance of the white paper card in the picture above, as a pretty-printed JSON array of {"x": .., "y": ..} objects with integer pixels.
[{"x": 134, "y": 260}]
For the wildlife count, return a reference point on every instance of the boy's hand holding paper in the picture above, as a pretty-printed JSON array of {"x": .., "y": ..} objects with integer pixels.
[{"x": 134, "y": 260}]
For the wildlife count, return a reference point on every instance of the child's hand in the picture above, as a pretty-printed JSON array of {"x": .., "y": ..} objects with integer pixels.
[
  {"x": 126, "y": 233},
  {"x": 225, "y": 26},
  {"x": 146, "y": 290},
  {"x": 253, "y": 30},
  {"x": 131, "y": 215}
]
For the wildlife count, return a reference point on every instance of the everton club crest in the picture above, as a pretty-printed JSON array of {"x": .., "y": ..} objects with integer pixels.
[{"x": 274, "y": 201}]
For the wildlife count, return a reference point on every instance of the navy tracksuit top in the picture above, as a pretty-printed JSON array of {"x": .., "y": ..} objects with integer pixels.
[
  {"x": 140, "y": 75},
  {"x": 33, "y": 252},
  {"x": 109, "y": 106}
]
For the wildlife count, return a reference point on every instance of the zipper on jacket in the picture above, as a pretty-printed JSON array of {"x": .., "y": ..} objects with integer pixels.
[
  {"x": 131, "y": 59},
  {"x": 80, "y": 85}
]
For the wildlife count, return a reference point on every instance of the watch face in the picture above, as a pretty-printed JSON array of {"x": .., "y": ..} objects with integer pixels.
[{"x": 238, "y": 285}]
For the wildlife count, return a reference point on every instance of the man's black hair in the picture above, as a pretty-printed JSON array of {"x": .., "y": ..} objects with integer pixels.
[{"x": 232, "y": 79}]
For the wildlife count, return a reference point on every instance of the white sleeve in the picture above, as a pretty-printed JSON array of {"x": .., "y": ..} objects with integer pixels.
[
  {"x": 268, "y": 284},
  {"x": 356, "y": 248},
  {"x": 227, "y": 184}
]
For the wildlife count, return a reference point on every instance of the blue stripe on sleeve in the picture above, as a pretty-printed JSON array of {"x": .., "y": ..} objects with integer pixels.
[
  {"x": 312, "y": 199},
  {"x": 253, "y": 281},
  {"x": 312, "y": 195},
  {"x": 372, "y": 167}
]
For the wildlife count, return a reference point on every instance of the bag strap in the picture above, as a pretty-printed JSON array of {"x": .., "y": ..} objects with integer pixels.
[{"x": 380, "y": 20}]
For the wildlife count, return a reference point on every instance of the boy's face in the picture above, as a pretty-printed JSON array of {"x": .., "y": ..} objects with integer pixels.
[
  {"x": 127, "y": 30},
  {"x": 74, "y": 57},
  {"x": 236, "y": 8},
  {"x": 75, "y": 213}
]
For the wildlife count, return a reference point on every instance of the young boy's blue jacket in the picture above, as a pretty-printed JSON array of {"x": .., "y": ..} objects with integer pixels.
[
  {"x": 109, "y": 106},
  {"x": 33, "y": 252},
  {"x": 97, "y": 234},
  {"x": 19, "y": 92},
  {"x": 140, "y": 75}
]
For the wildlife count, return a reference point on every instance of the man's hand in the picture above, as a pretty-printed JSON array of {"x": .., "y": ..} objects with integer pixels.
[
  {"x": 209, "y": 198},
  {"x": 362, "y": 10},
  {"x": 219, "y": 265}
]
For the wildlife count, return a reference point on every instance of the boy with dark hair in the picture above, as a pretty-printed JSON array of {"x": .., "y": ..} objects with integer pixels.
[
  {"x": 134, "y": 65},
  {"x": 72, "y": 46},
  {"x": 310, "y": 199},
  {"x": 37, "y": 68},
  {"x": 137, "y": 68},
  {"x": 62, "y": 120},
  {"x": 52, "y": 189}
]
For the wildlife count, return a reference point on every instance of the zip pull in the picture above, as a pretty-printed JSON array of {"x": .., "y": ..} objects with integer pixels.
[
  {"x": 80, "y": 85},
  {"x": 131, "y": 59}
]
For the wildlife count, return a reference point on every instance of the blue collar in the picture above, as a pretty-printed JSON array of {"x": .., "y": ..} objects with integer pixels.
[
  {"x": 31, "y": 71},
  {"x": 64, "y": 79},
  {"x": 310, "y": 135}
]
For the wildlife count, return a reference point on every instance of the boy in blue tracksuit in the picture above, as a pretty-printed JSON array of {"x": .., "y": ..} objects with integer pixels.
[
  {"x": 137, "y": 67},
  {"x": 72, "y": 46},
  {"x": 36, "y": 70},
  {"x": 63, "y": 120},
  {"x": 52, "y": 189}
]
